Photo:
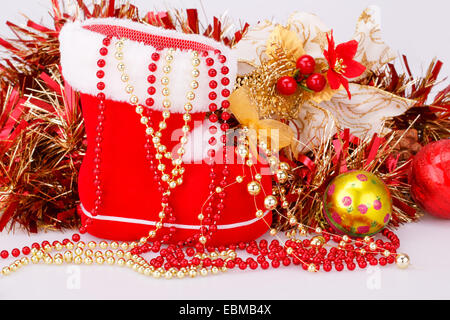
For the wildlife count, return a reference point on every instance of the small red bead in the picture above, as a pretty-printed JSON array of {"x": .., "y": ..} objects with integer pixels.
[
  {"x": 213, "y": 84},
  {"x": 152, "y": 67},
  {"x": 101, "y": 86},
  {"x": 101, "y": 96},
  {"x": 222, "y": 58},
  {"x": 209, "y": 62},
  {"x": 149, "y": 102},
  {"x": 211, "y": 153},
  {"x": 4, "y": 254},
  {"x": 82, "y": 229},
  {"x": 225, "y": 93},
  {"x": 101, "y": 63},
  {"x": 225, "y": 104},
  {"x": 224, "y": 70},
  {"x": 106, "y": 42},
  {"x": 103, "y": 51},
  {"x": 225, "y": 116},
  {"x": 155, "y": 56},
  {"x": 217, "y": 51},
  {"x": 224, "y": 127},
  {"x": 213, "y": 117},
  {"x": 100, "y": 74},
  {"x": 151, "y": 78},
  {"x": 151, "y": 90},
  {"x": 212, "y": 72},
  {"x": 225, "y": 81},
  {"x": 213, "y": 107},
  {"x": 212, "y": 129},
  {"x": 76, "y": 237},
  {"x": 212, "y": 96},
  {"x": 15, "y": 252}
]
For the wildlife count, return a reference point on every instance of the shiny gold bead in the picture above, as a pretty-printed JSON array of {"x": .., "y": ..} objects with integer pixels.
[
  {"x": 312, "y": 268},
  {"x": 402, "y": 260},
  {"x": 202, "y": 239},
  {"x": 195, "y": 73},
  {"x": 78, "y": 251},
  {"x": 35, "y": 259},
  {"x": 78, "y": 260},
  {"x": 129, "y": 89},
  {"x": 167, "y": 69},
  {"x": 166, "y": 103},
  {"x": 186, "y": 117},
  {"x": 6, "y": 271},
  {"x": 110, "y": 260},
  {"x": 284, "y": 166},
  {"x": 273, "y": 232},
  {"x": 121, "y": 66},
  {"x": 270, "y": 202},
  {"x": 92, "y": 245},
  {"x": 149, "y": 130},
  {"x": 254, "y": 188},
  {"x": 188, "y": 107},
  {"x": 134, "y": 99},
  {"x": 190, "y": 95},
  {"x": 259, "y": 214},
  {"x": 48, "y": 260},
  {"x": 194, "y": 84},
  {"x": 239, "y": 179},
  {"x": 165, "y": 91},
  {"x": 119, "y": 55},
  {"x": 258, "y": 177},
  {"x": 124, "y": 245},
  {"x": 139, "y": 109},
  {"x": 162, "y": 125},
  {"x": 68, "y": 256},
  {"x": 165, "y": 81},
  {"x": 282, "y": 176},
  {"x": 152, "y": 234},
  {"x": 121, "y": 262},
  {"x": 125, "y": 78},
  {"x": 159, "y": 225},
  {"x": 292, "y": 221},
  {"x": 195, "y": 62},
  {"x": 157, "y": 274}
]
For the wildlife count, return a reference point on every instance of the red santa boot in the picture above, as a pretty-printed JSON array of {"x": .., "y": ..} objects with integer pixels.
[{"x": 154, "y": 104}]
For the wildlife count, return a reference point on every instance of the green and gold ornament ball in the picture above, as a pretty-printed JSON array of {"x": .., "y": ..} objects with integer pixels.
[{"x": 357, "y": 203}]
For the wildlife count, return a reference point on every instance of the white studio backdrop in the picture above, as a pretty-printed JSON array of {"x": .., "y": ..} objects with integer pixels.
[{"x": 418, "y": 29}]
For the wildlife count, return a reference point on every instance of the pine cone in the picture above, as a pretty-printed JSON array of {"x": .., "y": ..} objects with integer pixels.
[{"x": 408, "y": 145}]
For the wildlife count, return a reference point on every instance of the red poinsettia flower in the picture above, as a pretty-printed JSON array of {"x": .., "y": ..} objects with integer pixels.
[{"x": 341, "y": 63}]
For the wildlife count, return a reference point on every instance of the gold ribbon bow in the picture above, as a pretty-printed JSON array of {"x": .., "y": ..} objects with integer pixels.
[{"x": 276, "y": 134}]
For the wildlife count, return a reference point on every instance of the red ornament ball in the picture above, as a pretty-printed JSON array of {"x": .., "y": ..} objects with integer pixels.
[
  {"x": 306, "y": 64},
  {"x": 316, "y": 82},
  {"x": 430, "y": 178},
  {"x": 286, "y": 85}
]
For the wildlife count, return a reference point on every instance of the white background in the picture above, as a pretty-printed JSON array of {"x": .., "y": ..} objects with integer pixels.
[{"x": 417, "y": 28}]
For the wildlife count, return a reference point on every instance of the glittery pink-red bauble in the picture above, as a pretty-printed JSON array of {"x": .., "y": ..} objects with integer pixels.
[{"x": 430, "y": 178}]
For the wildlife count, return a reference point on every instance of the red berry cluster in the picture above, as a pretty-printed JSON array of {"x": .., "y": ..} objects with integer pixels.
[{"x": 304, "y": 76}]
